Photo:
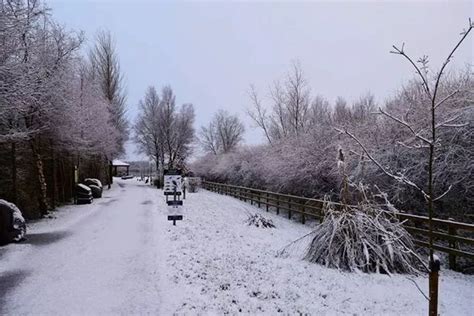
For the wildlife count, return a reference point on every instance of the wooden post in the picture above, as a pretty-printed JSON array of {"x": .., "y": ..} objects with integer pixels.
[
  {"x": 289, "y": 208},
  {"x": 251, "y": 196},
  {"x": 278, "y": 204},
  {"x": 266, "y": 205},
  {"x": 453, "y": 245},
  {"x": 258, "y": 199},
  {"x": 14, "y": 172},
  {"x": 433, "y": 286},
  {"x": 321, "y": 214},
  {"x": 303, "y": 217}
]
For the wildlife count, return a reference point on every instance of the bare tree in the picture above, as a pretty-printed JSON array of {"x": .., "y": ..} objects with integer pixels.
[
  {"x": 223, "y": 133},
  {"x": 280, "y": 127},
  {"x": 107, "y": 67},
  {"x": 297, "y": 99},
  {"x": 291, "y": 107},
  {"x": 163, "y": 131},
  {"x": 342, "y": 113},
  {"x": 147, "y": 130},
  {"x": 320, "y": 112},
  {"x": 258, "y": 114}
]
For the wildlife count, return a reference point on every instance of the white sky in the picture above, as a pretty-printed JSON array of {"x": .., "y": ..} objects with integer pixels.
[{"x": 210, "y": 52}]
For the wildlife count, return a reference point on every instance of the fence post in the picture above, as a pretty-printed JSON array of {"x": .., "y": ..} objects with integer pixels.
[
  {"x": 303, "y": 217},
  {"x": 453, "y": 245},
  {"x": 321, "y": 214},
  {"x": 267, "y": 203},
  {"x": 278, "y": 204},
  {"x": 258, "y": 199},
  {"x": 289, "y": 208},
  {"x": 251, "y": 197}
]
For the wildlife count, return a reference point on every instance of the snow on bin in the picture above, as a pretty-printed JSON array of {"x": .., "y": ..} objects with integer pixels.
[
  {"x": 96, "y": 191},
  {"x": 83, "y": 194},
  {"x": 93, "y": 181},
  {"x": 95, "y": 185},
  {"x": 12, "y": 223}
]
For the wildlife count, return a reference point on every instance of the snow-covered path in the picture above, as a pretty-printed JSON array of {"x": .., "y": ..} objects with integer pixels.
[
  {"x": 121, "y": 256},
  {"x": 92, "y": 259}
]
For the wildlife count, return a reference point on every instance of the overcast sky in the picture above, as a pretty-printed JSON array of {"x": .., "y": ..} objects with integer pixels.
[{"x": 210, "y": 52}]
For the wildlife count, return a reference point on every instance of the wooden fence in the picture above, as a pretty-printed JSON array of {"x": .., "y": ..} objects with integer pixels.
[{"x": 454, "y": 238}]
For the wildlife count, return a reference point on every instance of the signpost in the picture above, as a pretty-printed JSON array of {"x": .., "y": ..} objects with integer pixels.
[
  {"x": 175, "y": 218},
  {"x": 173, "y": 187}
]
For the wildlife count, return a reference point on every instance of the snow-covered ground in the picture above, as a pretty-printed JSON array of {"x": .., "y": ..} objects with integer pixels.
[{"x": 121, "y": 256}]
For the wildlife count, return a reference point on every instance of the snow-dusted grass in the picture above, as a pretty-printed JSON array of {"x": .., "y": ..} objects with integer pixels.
[{"x": 218, "y": 264}]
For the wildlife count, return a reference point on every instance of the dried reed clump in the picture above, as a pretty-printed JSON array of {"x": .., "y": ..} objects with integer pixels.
[{"x": 363, "y": 237}]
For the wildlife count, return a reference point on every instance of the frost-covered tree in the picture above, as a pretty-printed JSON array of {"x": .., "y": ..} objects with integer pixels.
[
  {"x": 147, "y": 129},
  {"x": 164, "y": 131},
  {"x": 223, "y": 134},
  {"x": 290, "y": 110},
  {"x": 106, "y": 65}
]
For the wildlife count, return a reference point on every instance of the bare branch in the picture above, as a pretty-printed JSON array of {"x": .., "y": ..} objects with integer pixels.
[
  {"x": 447, "y": 122},
  {"x": 442, "y": 195},
  {"x": 446, "y": 98},
  {"x": 411, "y": 146},
  {"x": 400, "y": 178},
  {"x": 448, "y": 59},
  {"x": 418, "y": 287},
  {"x": 401, "y": 52},
  {"x": 402, "y": 122}
]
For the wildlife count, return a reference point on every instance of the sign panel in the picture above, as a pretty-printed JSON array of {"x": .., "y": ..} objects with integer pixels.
[
  {"x": 173, "y": 183},
  {"x": 175, "y": 218}
]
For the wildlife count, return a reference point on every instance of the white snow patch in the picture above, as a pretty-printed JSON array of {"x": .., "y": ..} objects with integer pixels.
[{"x": 217, "y": 264}]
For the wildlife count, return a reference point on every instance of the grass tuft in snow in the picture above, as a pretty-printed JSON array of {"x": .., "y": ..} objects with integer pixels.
[{"x": 259, "y": 221}]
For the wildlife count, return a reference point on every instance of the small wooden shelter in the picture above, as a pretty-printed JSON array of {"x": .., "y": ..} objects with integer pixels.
[{"x": 120, "y": 168}]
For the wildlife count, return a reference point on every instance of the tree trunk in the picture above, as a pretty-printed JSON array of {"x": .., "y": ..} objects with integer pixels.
[
  {"x": 157, "y": 162},
  {"x": 53, "y": 176},
  {"x": 14, "y": 173},
  {"x": 161, "y": 172},
  {"x": 110, "y": 174},
  {"x": 41, "y": 182}
]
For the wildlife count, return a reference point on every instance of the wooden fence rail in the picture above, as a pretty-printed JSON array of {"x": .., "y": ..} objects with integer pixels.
[{"x": 454, "y": 238}]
